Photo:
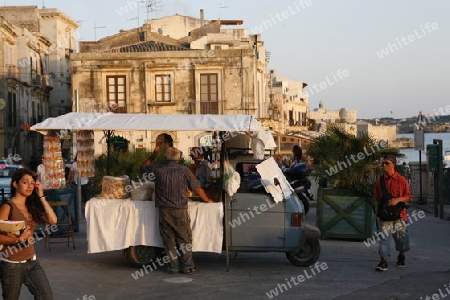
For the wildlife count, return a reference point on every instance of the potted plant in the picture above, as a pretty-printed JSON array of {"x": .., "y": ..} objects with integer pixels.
[{"x": 346, "y": 167}]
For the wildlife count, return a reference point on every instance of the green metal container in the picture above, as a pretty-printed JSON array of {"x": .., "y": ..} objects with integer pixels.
[{"x": 343, "y": 214}]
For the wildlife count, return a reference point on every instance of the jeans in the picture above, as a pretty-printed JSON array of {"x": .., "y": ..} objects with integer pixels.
[
  {"x": 29, "y": 273},
  {"x": 176, "y": 233},
  {"x": 399, "y": 232}
]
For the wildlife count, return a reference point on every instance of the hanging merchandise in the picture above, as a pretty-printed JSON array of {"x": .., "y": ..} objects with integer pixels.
[
  {"x": 53, "y": 163},
  {"x": 85, "y": 153}
]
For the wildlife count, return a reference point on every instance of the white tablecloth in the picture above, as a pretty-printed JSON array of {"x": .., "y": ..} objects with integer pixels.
[{"x": 118, "y": 224}]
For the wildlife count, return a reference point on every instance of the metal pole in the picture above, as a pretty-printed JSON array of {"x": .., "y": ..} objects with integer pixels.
[
  {"x": 419, "y": 143},
  {"x": 440, "y": 181},
  {"x": 420, "y": 178},
  {"x": 78, "y": 187},
  {"x": 226, "y": 228},
  {"x": 436, "y": 193},
  {"x": 79, "y": 202}
]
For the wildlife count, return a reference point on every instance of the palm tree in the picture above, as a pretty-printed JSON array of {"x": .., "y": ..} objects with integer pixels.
[{"x": 347, "y": 161}]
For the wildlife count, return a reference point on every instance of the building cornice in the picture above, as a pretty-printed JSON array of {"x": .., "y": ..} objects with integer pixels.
[
  {"x": 43, "y": 39},
  {"x": 8, "y": 28},
  {"x": 57, "y": 14}
]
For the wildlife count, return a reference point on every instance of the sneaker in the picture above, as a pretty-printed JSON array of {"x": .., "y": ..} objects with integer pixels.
[
  {"x": 401, "y": 261},
  {"x": 382, "y": 266}
]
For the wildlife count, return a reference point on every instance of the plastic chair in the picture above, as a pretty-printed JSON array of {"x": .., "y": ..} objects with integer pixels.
[{"x": 65, "y": 226}]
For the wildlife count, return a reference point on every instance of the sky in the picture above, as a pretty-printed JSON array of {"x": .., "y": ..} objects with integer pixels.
[{"x": 381, "y": 58}]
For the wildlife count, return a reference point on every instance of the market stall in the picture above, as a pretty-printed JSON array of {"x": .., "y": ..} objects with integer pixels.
[{"x": 114, "y": 224}]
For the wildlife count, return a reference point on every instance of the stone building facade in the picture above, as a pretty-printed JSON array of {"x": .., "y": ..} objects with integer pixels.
[
  {"x": 210, "y": 70},
  {"x": 34, "y": 79}
]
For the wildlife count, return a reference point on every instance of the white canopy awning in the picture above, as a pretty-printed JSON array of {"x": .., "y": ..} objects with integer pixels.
[
  {"x": 112, "y": 121},
  {"x": 132, "y": 122}
]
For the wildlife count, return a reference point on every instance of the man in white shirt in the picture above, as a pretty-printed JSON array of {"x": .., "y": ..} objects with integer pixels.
[
  {"x": 41, "y": 172},
  {"x": 85, "y": 186}
]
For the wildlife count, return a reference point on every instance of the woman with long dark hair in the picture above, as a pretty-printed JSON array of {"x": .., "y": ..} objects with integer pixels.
[
  {"x": 297, "y": 155},
  {"x": 19, "y": 264}
]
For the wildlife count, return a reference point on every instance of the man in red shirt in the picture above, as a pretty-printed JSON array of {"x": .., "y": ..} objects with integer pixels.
[{"x": 398, "y": 187}]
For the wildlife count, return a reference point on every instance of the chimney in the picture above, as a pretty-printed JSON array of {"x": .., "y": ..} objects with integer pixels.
[{"x": 202, "y": 17}]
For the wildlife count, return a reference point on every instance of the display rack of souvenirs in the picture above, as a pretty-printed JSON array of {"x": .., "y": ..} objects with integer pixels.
[
  {"x": 85, "y": 153},
  {"x": 53, "y": 163}
]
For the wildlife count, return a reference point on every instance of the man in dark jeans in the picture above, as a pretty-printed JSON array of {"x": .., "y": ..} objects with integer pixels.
[
  {"x": 172, "y": 181},
  {"x": 398, "y": 187}
]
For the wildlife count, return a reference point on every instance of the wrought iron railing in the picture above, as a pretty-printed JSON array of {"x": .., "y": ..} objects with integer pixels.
[
  {"x": 207, "y": 107},
  {"x": 119, "y": 110},
  {"x": 12, "y": 71}
]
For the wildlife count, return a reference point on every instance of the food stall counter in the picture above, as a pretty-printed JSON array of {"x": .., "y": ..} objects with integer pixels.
[{"x": 116, "y": 224}]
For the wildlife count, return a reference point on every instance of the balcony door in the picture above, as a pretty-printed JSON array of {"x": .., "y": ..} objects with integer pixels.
[
  {"x": 209, "y": 98},
  {"x": 117, "y": 93}
]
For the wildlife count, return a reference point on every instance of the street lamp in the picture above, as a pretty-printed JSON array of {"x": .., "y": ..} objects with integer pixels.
[{"x": 95, "y": 31}]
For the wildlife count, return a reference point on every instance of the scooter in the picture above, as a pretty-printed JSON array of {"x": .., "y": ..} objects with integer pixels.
[
  {"x": 297, "y": 178},
  {"x": 302, "y": 188}
]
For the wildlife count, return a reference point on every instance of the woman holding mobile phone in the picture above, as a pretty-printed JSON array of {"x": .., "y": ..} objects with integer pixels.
[{"x": 19, "y": 264}]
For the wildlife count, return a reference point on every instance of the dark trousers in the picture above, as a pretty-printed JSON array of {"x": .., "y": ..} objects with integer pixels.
[
  {"x": 13, "y": 276},
  {"x": 176, "y": 233},
  {"x": 85, "y": 191}
]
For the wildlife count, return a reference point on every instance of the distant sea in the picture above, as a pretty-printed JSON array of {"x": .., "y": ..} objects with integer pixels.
[{"x": 413, "y": 155}]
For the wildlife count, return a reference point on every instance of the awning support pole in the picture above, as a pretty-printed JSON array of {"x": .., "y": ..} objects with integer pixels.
[{"x": 223, "y": 156}]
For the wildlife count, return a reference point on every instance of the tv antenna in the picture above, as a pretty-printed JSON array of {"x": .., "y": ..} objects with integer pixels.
[
  {"x": 138, "y": 18},
  {"x": 152, "y": 6},
  {"x": 221, "y": 6},
  {"x": 95, "y": 30},
  {"x": 80, "y": 22}
]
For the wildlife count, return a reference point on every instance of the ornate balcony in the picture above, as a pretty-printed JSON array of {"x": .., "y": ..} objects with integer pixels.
[
  {"x": 207, "y": 107},
  {"x": 12, "y": 71}
]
